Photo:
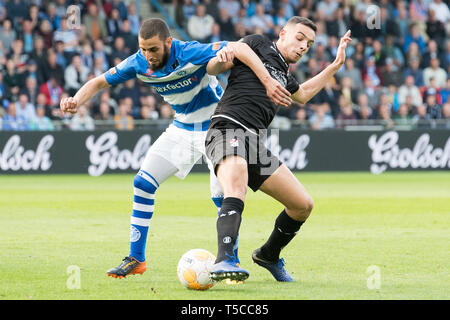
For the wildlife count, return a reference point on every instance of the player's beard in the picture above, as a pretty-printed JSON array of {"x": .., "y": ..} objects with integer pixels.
[{"x": 163, "y": 62}]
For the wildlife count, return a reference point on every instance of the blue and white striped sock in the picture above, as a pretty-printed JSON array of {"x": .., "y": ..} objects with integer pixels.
[{"x": 143, "y": 206}]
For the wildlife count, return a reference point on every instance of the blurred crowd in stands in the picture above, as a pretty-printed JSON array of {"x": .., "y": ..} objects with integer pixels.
[{"x": 396, "y": 72}]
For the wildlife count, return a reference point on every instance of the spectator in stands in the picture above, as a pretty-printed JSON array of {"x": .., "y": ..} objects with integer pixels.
[
  {"x": 60, "y": 54},
  {"x": 166, "y": 112},
  {"x": 328, "y": 95},
  {"x": 212, "y": 8},
  {"x": 75, "y": 75},
  {"x": 414, "y": 36},
  {"x": 215, "y": 34},
  {"x": 384, "y": 116},
  {"x": 441, "y": 11},
  {"x": 133, "y": 17},
  {"x": 409, "y": 89},
  {"x": 86, "y": 55},
  {"x": 114, "y": 24},
  {"x": 12, "y": 80},
  {"x": 98, "y": 67},
  {"x": 46, "y": 33},
  {"x": 326, "y": 9},
  {"x": 68, "y": 37},
  {"x": 402, "y": 117},
  {"x": 349, "y": 70},
  {"x": 131, "y": 90},
  {"x": 200, "y": 24},
  {"x": 391, "y": 50},
  {"x": 41, "y": 122},
  {"x": 7, "y": 35},
  {"x": 415, "y": 71},
  {"x": 123, "y": 10},
  {"x": 226, "y": 24},
  {"x": 39, "y": 56},
  {"x": 52, "y": 17},
  {"x": 25, "y": 109},
  {"x": 95, "y": 22},
  {"x": 435, "y": 29},
  {"x": 321, "y": 119},
  {"x": 52, "y": 91},
  {"x": 82, "y": 121},
  {"x": 422, "y": 119},
  {"x": 105, "y": 96},
  {"x": 391, "y": 74},
  {"x": 262, "y": 20},
  {"x": 431, "y": 52},
  {"x": 188, "y": 9},
  {"x": 372, "y": 71},
  {"x": 27, "y": 36},
  {"x": 99, "y": 51},
  {"x": 372, "y": 91},
  {"x": 301, "y": 117},
  {"x": 31, "y": 89},
  {"x": 12, "y": 121},
  {"x": 432, "y": 89},
  {"x": 130, "y": 40},
  {"x": 436, "y": 72},
  {"x": 104, "y": 113},
  {"x": 123, "y": 120},
  {"x": 52, "y": 68},
  {"x": 347, "y": 90},
  {"x": 346, "y": 115},
  {"x": 120, "y": 50},
  {"x": 433, "y": 108},
  {"x": 148, "y": 112},
  {"x": 231, "y": 6}
]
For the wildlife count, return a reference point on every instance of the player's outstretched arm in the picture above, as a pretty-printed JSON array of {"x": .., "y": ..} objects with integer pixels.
[
  {"x": 224, "y": 61},
  {"x": 311, "y": 87},
  {"x": 86, "y": 92}
]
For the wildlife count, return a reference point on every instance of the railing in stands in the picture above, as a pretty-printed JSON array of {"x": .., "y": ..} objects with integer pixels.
[{"x": 170, "y": 22}]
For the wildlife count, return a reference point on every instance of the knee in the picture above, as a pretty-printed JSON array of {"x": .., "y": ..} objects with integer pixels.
[{"x": 302, "y": 208}]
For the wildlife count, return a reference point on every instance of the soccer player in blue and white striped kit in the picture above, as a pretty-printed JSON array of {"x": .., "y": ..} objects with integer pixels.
[{"x": 181, "y": 73}]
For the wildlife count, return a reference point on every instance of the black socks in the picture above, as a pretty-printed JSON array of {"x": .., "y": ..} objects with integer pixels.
[
  {"x": 284, "y": 231},
  {"x": 228, "y": 224}
]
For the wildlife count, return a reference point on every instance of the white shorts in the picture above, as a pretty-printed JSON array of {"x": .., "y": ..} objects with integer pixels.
[{"x": 183, "y": 149}]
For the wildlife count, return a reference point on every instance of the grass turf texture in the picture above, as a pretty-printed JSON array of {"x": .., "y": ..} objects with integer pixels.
[{"x": 398, "y": 222}]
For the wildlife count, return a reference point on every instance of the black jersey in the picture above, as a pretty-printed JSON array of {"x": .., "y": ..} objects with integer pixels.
[{"x": 245, "y": 99}]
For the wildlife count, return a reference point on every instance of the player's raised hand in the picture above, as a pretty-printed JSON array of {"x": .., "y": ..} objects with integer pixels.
[
  {"x": 340, "y": 55},
  {"x": 69, "y": 104},
  {"x": 226, "y": 54},
  {"x": 277, "y": 93}
]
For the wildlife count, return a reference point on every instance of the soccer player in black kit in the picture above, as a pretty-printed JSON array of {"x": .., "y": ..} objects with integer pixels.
[{"x": 235, "y": 146}]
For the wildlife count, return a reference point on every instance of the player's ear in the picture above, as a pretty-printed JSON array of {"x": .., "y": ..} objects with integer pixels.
[
  {"x": 283, "y": 32},
  {"x": 169, "y": 41}
]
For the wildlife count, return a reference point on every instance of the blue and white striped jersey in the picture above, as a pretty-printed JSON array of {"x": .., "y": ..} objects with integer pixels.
[{"x": 183, "y": 82}]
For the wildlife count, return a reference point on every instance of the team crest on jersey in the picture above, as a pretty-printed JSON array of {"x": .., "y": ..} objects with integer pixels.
[
  {"x": 234, "y": 143},
  {"x": 216, "y": 46},
  {"x": 112, "y": 71}
]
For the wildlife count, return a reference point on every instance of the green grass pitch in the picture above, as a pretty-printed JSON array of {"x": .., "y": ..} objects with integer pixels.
[{"x": 369, "y": 237}]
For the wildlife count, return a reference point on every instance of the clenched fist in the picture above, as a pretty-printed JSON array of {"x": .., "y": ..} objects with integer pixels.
[{"x": 69, "y": 105}]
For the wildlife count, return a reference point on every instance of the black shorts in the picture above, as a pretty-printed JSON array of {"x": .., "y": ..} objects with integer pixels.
[{"x": 226, "y": 138}]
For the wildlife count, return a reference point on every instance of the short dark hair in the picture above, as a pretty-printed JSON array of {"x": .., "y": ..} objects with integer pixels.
[
  {"x": 154, "y": 27},
  {"x": 302, "y": 20}
]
